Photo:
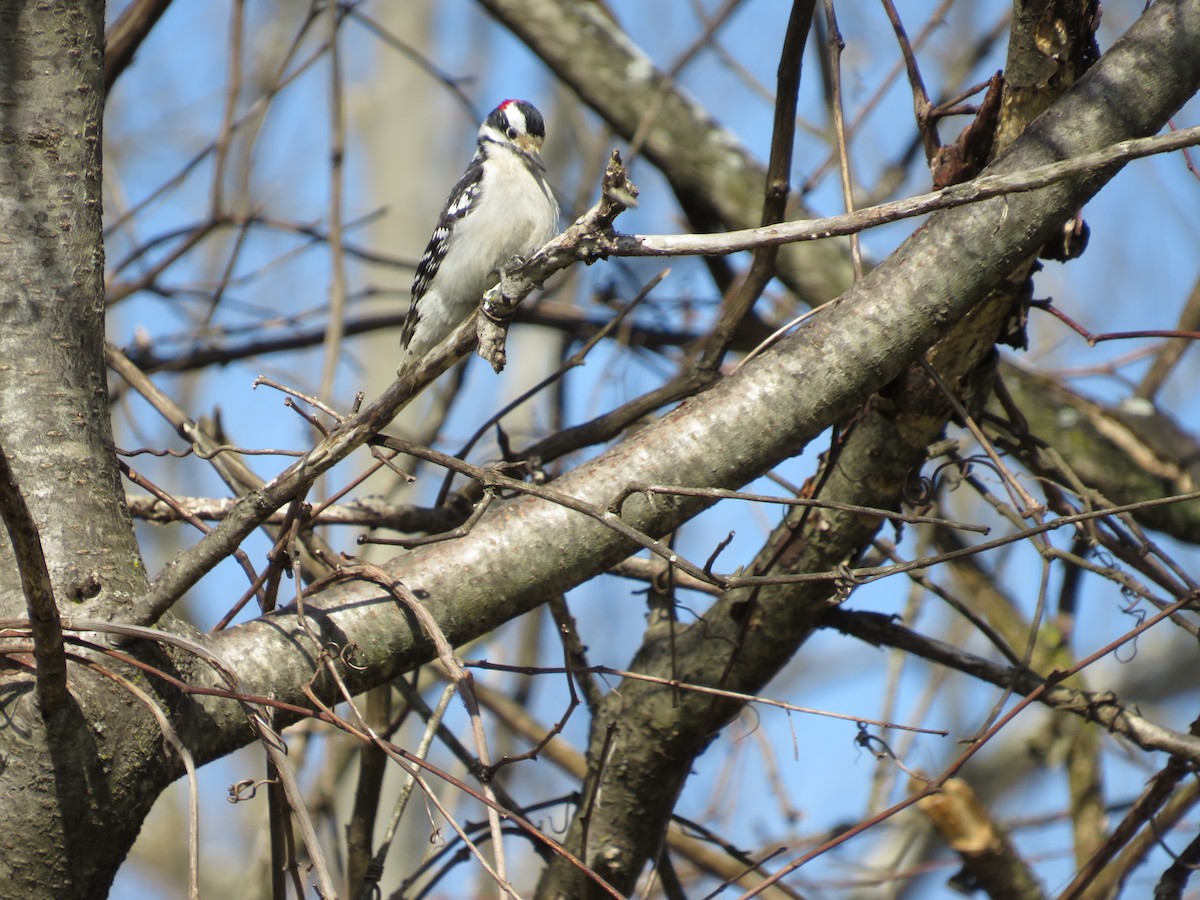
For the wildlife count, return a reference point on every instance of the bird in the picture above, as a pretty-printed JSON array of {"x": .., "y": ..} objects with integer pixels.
[{"x": 501, "y": 208}]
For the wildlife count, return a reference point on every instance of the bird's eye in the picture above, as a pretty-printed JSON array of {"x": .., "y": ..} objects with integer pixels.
[{"x": 512, "y": 133}]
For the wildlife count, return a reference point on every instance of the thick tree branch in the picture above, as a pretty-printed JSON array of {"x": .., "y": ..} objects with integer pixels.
[
  {"x": 127, "y": 33},
  {"x": 1127, "y": 452},
  {"x": 990, "y": 861},
  {"x": 1103, "y": 709}
]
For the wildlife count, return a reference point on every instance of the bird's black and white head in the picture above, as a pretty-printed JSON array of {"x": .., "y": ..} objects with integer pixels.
[{"x": 518, "y": 125}]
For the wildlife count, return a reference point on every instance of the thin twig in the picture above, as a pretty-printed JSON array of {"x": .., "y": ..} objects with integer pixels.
[
  {"x": 554, "y": 730},
  {"x": 460, "y": 531},
  {"x": 680, "y": 684},
  {"x": 921, "y": 104},
  {"x": 162, "y": 496},
  {"x": 1094, "y": 339},
  {"x": 836, "y": 44},
  {"x": 638, "y": 487},
  {"x": 335, "y": 322},
  {"x": 368, "y": 512},
  {"x": 298, "y": 394},
  {"x": 233, "y": 88},
  {"x": 1029, "y": 508}
]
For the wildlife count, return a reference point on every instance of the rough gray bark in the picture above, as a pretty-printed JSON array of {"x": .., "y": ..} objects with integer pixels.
[
  {"x": 52, "y": 393},
  {"x": 73, "y": 803}
]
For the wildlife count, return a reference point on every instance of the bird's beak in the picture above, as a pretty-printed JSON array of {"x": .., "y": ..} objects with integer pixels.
[{"x": 532, "y": 147}]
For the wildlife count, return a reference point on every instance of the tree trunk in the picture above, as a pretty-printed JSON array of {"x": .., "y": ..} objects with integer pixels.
[{"x": 72, "y": 808}]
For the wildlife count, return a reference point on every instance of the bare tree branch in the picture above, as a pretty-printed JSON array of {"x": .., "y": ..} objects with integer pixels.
[{"x": 127, "y": 33}]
